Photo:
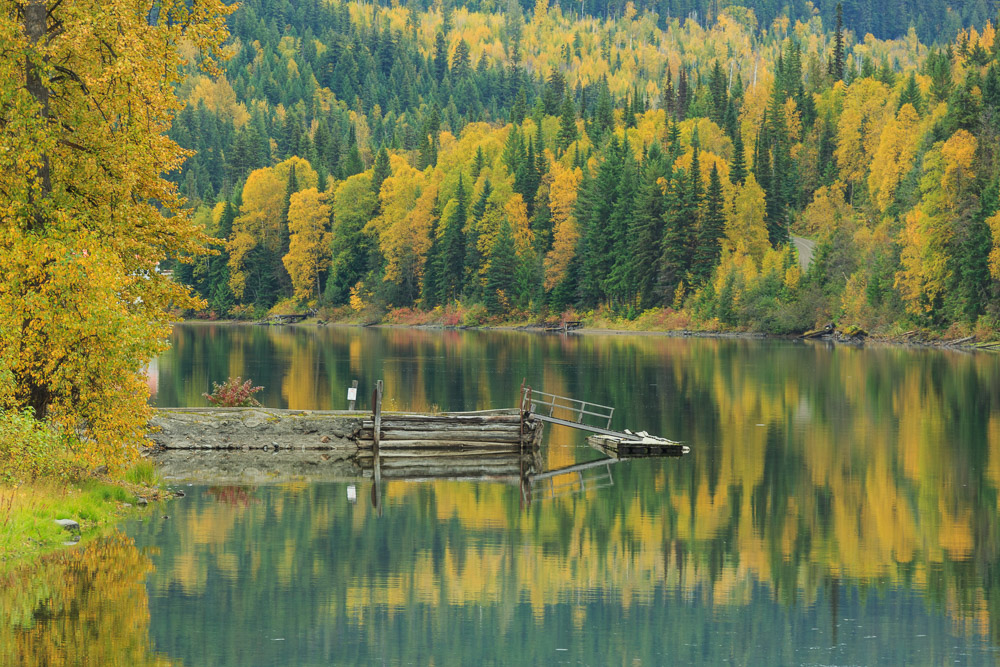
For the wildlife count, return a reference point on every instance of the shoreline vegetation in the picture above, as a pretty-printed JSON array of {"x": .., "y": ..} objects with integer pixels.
[
  {"x": 43, "y": 481},
  {"x": 663, "y": 322}
]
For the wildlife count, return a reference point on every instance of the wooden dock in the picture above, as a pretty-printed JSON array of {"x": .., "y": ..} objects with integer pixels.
[
  {"x": 644, "y": 447},
  {"x": 457, "y": 444}
]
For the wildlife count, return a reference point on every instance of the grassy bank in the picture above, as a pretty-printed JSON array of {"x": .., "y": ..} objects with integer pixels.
[{"x": 42, "y": 481}]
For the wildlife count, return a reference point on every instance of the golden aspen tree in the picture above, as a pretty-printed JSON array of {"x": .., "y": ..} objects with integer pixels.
[
  {"x": 565, "y": 229},
  {"x": 929, "y": 227},
  {"x": 257, "y": 223},
  {"x": 88, "y": 91},
  {"x": 994, "y": 261},
  {"x": 745, "y": 227},
  {"x": 894, "y": 156},
  {"x": 309, "y": 247},
  {"x": 408, "y": 197},
  {"x": 865, "y": 112}
]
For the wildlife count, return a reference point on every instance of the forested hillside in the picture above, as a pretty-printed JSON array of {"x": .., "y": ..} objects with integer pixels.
[{"x": 522, "y": 163}]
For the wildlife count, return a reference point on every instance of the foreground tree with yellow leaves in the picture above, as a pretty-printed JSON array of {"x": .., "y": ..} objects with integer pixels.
[{"x": 86, "y": 94}]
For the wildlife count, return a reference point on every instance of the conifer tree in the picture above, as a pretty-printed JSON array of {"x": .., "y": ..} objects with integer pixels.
[
  {"x": 619, "y": 283},
  {"x": 738, "y": 169},
  {"x": 381, "y": 170},
  {"x": 567, "y": 125},
  {"x": 836, "y": 68},
  {"x": 440, "y": 56},
  {"x": 645, "y": 242},
  {"x": 710, "y": 230},
  {"x": 501, "y": 271},
  {"x": 453, "y": 244}
]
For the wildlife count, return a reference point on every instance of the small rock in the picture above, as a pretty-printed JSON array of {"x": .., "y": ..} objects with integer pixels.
[
  {"x": 68, "y": 524},
  {"x": 178, "y": 494},
  {"x": 126, "y": 504},
  {"x": 325, "y": 439},
  {"x": 101, "y": 470},
  {"x": 166, "y": 516},
  {"x": 141, "y": 502}
]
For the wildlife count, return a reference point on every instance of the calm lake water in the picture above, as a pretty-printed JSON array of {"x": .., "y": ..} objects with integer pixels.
[{"x": 839, "y": 506}]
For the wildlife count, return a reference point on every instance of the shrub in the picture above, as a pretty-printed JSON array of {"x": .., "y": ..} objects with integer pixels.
[
  {"x": 475, "y": 316},
  {"x": 29, "y": 449},
  {"x": 234, "y": 393}
]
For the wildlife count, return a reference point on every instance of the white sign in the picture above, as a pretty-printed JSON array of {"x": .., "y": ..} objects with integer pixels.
[{"x": 352, "y": 394}]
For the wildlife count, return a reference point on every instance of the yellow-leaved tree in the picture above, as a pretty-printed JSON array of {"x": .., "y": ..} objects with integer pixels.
[
  {"x": 87, "y": 90},
  {"x": 565, "y": 231},
  {"x": 930, "y": 226},
  {"x": 309, "y": 247}
]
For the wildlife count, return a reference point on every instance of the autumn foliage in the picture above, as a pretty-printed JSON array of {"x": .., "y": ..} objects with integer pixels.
[
  {"x": 634, "y": 163},
  {"x": 88, "y": 91}
]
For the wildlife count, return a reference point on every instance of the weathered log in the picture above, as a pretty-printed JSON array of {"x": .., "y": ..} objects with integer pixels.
[
  {"x": 450, "y": 435},
  {"x": 458, "y": 456},
  {"x": 430, "y": 426},
  {"x": 437, "y": 468},
  {"x": 397, "y": 422},
  {"x": 960, "y": 341},
  {"x": 451, "y": 445}
]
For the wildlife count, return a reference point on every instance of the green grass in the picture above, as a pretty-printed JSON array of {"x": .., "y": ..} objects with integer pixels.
[
  {"x": 41, "y": 481},
  {"x": 144, "y": 473},
  {"x": 28, "y": 511}
]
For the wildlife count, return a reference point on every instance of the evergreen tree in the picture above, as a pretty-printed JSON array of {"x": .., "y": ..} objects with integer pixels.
[
  {"x": 836, "y": 68},
  {"x": 478, "y": 162},
  {"x": 461, "y": 62},
  {"x": 501, "y": 271},
  {"x": 440, "y": 56},
  {"x": 604, "y": 120},
  {"x": 473, "y": 257},
  {"x": 646, "y": 240},
  {"x": 710, "y": 230},
  {"x": 453, "y": 244},
  {"x": 619, "y": 284},
  {"x": 598, "y": 239},
  {"x": 567, "y": 125},
  {"x": 381, "y": 170},
  {"x": 433, "y": 266},
  {"x": 738, "y": 169},
  {"x": 520, "y": 108},
  {"x": 717, "y": 90}
]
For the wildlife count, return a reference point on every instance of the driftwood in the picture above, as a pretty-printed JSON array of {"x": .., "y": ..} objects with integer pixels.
[{"x": 960, "y": 341}]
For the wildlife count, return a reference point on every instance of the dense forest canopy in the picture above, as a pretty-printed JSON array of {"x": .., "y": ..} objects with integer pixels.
[{"x": 528, "y": 161}]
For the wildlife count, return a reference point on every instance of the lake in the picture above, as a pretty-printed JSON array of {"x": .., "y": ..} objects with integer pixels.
[{"x": 839, "y": 506}]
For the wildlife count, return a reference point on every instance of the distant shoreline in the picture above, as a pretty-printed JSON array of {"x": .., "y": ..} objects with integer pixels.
[{"x": 913, "y": 340}]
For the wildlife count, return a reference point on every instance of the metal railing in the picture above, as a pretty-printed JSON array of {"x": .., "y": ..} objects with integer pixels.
[{"x": 541, "y": 403}]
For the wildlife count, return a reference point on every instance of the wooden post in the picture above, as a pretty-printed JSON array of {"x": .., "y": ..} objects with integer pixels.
[
  {"x": 352, "y": 395},
  {"x": 376, "y": 457},
  {"x": 520, "y": 413},
  {"x": 377, "y": 414}
]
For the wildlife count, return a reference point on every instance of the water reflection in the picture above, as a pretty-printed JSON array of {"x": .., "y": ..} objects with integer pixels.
[
  {"x": 839, "y": 505},
  {"x": 84, "y": 606}
]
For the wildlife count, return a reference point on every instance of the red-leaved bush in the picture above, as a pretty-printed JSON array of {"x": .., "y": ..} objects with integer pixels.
[{"x": 234, "y": 393}]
